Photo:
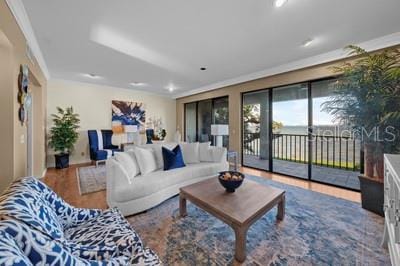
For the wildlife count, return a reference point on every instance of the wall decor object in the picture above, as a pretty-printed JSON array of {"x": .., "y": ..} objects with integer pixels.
[
  {"x": 24, "y": 97},
  {"x": 128, "y": 113}
]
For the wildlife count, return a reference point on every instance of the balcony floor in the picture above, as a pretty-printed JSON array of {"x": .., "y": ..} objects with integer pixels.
[{"x": 334, "y": 176}]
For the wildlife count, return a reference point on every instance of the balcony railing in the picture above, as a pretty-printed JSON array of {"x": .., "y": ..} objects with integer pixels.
[{"x": 330, "y": 151}]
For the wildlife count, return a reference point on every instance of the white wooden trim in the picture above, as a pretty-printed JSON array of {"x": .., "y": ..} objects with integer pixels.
[{"x": 18, "y": 10}]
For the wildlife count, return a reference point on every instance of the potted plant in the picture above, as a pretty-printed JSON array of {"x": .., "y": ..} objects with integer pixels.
[
  {"x": 63, "y": 135},
  {"x": 367, "y": 97}
]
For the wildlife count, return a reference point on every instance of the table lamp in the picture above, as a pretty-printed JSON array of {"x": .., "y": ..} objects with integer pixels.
[{"x": 219, "y": 130}]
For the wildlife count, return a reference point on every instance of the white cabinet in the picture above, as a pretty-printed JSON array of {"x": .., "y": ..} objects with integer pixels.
[{"x": 391, "y": 237}]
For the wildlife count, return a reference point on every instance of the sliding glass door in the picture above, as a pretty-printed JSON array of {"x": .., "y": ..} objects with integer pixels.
[
  {"x": 287, "y": 130},
  {"x": 336, "y": 153},
  {"x": 190, "y": 122},
  {"x": 256, "y": 130},
  {"x": 199, "y": 116},
  {"x": 290, "y": 130},
  {"x": 220, "y": 116},
  {"x": 204, "y": 120}
]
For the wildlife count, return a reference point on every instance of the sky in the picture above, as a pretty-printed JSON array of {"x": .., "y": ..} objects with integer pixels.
[{"x": 295, "y": 113}]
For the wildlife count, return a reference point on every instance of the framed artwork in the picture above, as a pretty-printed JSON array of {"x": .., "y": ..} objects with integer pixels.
[{"x": 128, "y": 113}]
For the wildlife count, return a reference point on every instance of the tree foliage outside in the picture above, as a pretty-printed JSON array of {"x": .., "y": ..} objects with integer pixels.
[
  {"x": 64, "y": 134},
  {"x": 367, "y": 98},
  {"x": 251, "y": 116}
]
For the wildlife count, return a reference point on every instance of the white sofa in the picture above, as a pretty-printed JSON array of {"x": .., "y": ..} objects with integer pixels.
[{"x": 136, "y": 194}]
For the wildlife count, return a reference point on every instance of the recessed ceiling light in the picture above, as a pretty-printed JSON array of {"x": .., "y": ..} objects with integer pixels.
[
  {"x": 137, "y": 84},
  {"x": 279, "y": 3},
  {"x": 203, "y": 68},
  {"x": 308, "y": 42},
  {"x": 92, "y": 76},
  {"x": 171, "y": 88}
]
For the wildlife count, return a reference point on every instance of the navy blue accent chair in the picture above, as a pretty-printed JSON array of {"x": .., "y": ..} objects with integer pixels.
[{"x": 105, "y": 149}]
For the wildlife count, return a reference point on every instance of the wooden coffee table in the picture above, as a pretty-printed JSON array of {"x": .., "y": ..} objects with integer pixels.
[{"x": 239, "y": 209}]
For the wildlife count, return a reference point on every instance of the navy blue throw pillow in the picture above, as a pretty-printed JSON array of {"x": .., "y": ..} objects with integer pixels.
[{"x": 172, "y": 159}]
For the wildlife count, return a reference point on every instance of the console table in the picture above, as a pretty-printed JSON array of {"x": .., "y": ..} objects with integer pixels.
[{"x": 391, "y": 237}]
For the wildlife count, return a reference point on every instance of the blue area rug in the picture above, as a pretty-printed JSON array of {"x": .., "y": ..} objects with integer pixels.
[{"x": 317, "y": 230}]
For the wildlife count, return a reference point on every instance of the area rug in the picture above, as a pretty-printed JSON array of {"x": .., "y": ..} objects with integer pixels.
[
  {"x": 317, "y": 230},
  {"x": 91, "y": 179}
]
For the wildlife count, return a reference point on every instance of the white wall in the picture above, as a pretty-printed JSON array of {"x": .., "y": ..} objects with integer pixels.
[{"x": 93, "y": 104}]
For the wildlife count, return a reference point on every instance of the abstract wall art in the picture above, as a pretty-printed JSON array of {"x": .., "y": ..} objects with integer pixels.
[{"x": 128, "y": 113}]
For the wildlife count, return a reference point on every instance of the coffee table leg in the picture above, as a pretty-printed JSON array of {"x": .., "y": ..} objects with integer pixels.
[
  {"x": 281, "y": 208},
  {"x": 182, "y": 205},
  {"x": 240, "y": 243}
]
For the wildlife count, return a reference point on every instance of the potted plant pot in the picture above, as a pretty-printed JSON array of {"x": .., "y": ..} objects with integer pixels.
[
  {"x": 62, "y": 160},
  {"x": 371, "y": 183},
  {"x": 371, "y": 194}
]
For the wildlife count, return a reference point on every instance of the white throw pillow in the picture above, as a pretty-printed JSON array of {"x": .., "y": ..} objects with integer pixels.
[
  {"x": 157, "y": 148},
  {"x": 131, "y": 153},
  {"x": 146, "y": 160},
  {"x": 190, "y": 152},
  {"x": 128, "y": 163},
  {"x": 205, "y": 152}
]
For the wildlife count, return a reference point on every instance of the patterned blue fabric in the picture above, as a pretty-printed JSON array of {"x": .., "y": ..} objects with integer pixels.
[
  {"x": 95, "y": 153},
  {"x": 84, "y": 234},
  {"x": 10, "y": 254},
  {"x": 172, "y": 159},
  {"x": 37, "y": 248}
]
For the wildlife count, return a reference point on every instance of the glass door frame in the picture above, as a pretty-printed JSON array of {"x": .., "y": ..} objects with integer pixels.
[{"x": 310, "y": 135}]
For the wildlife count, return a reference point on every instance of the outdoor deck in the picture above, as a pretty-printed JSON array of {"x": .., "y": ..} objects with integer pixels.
[{"x": 334, "y": 176}]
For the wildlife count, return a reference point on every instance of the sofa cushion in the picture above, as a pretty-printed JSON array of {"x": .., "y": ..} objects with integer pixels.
[
  {"x": 128, "y": 162},
  {"x": 205, "y": 152},
  {"x": 219, "y": 154},
  {"x": 109, "y": 232},
  {"x": 190, "y": 152},
  {"x": 146, "y": 160},
  {"x": 143, "y": 186},
  {"x": 172, "y": 159}
]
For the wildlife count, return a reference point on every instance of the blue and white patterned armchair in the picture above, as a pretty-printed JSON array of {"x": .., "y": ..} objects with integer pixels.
[{"x": 47, "y": 230}]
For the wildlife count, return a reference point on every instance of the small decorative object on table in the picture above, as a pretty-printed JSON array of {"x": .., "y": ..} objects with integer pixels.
[{"x": 230, "y": 180}]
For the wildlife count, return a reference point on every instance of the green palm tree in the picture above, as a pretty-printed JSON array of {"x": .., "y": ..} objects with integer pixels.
[{"x": 367, "y": 97}]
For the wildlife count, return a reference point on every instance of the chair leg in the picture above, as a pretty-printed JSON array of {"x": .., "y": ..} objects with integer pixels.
[{"x": 97, "y": 163}]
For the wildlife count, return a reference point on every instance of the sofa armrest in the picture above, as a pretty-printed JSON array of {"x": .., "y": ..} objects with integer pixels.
[
  {"x": 117, "y": 179},
  {"x": 219, "y": 154}
]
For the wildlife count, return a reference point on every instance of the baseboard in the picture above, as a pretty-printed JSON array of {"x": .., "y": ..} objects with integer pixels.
[{"x": 44, "y": 172}]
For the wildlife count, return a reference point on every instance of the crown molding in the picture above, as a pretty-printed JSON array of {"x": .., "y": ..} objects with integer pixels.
[
  {"x": 371, "y": 45},
  {"x": 18, "y": 10}
]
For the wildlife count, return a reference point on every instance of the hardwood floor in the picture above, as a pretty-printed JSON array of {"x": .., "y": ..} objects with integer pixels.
[{"x": 64, "y": 183}]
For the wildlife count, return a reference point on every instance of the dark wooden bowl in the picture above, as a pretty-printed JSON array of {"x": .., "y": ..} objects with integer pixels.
[{"x": 230, "y": 185}]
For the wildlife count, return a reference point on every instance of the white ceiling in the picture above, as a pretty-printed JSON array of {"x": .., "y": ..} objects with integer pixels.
[{"x": 163, "y": 43}]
